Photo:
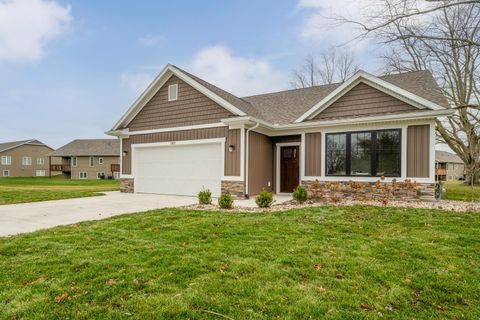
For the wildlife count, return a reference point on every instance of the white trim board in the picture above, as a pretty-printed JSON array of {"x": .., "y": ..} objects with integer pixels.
[
  {"x": 126, "y": 133},
  {"x": 377, "y": 83},
  {"x": 158, "y": 82}
]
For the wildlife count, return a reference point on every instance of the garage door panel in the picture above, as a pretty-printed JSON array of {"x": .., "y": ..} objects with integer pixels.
[{"x": 179, "y": 169}]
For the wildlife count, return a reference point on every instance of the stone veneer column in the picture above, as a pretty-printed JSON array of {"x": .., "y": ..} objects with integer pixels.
[
  {"x": 235, "y": 188},
  {"x": 126, "y": 185}
]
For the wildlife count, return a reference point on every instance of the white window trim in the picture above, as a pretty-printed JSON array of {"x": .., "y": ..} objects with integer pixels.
[
  {"x": 91, "y": 162},
  {"x": 80, "y": 175},
  {"x": 72, "y": 162},
  {"x": 6, "y": 160},
  {"x": 172, "y": 97},
  {"x": 42, "y": 173},
  {"x": 117, "y": 175},
  {"x": 100, "y": 161},
  {"x": 99, "y": 174},
  {"x": 6, "y": 175},
  {"x": 26, "y": 161},
  {"x": 277, "y": 161},
  {"x": 40, "y": 161}
]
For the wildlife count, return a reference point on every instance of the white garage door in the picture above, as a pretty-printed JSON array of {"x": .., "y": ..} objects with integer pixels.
[{"x": 178, "y": 169}]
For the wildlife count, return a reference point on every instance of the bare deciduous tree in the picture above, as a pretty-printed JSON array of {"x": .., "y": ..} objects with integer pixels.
[
  {"x": 445, "y": 39},
  {"x": 332, "y": 66}
]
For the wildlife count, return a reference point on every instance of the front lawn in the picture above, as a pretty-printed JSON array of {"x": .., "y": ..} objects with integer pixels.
[
  {"x": 327, "y": 262},
  {"x": 19, "y": 190},
  {"x": 457, "y": 190}
]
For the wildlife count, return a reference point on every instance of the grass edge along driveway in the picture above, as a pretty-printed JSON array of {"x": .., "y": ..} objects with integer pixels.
[
  {"x": 23, "y": 190},
  {"x": 325, "y": 262}
]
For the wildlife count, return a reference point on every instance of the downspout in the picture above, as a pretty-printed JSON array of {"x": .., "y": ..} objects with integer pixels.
[{"x": 247, "y": 154}]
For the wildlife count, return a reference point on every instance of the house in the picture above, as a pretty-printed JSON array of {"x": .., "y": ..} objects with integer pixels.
[
  {"x": 184, "y": 134},
  {"x": 448, "y": 166},
  {"x": 89, "y": 159},
  {"x": 27, "y": 158}
]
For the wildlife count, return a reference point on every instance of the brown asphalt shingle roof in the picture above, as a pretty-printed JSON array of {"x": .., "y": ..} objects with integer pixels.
[
  {"x": 89, "y": 147},
  {"x": 444, "y": 156},
  {"x": 286, "y": 106},
  {"x": 14, "y": 144}
]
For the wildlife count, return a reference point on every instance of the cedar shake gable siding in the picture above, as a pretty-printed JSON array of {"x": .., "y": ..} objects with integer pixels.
[
  {"x": 191, "y": 108},
  {"x": 364, "y": 100}
]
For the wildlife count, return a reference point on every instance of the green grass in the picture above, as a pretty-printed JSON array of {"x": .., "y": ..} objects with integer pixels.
[
  {"x": 20, "y": 190},
  {"x": 327, "y": 262},
  {"x": 457, "y": 190}
]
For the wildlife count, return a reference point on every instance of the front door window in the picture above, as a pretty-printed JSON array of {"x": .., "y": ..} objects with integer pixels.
[{"x": 289, "y": 168}]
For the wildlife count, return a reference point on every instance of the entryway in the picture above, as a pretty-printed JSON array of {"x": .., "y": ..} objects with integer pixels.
[{"x": 288, "y": 170}]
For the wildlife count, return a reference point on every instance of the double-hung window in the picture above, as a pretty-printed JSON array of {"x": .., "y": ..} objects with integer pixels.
[
  {"x": 6, "y": 160},
  {"x": 92, "y": 161},
  {"x": 365, "y": 154},
  {"x": 40, "y": 161},
  {"x": 26, "y": 161}
]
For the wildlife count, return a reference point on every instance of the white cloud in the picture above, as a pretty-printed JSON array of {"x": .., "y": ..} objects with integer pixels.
[
  {"x": 321, "y": 24},
  {"x": 238, "y": 75},
  {"x": 27, "y": 26},
  {"x": 151, "y": 40},
  {"x": 136, "y": 82}
]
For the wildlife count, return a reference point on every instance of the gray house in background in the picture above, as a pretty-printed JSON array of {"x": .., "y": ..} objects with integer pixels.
[
  {"x": 184, "y": 134},
  {"x": 89, "y": 159},
  {"x": 449, "y": 166}
]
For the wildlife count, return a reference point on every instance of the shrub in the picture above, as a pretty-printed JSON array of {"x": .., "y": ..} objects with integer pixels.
[
  {"x": 300, "y": 194},
  {"x": 225, "y": 201},
  {"x": 264, "y": 199},
  {"x": 205, "y": 197}
]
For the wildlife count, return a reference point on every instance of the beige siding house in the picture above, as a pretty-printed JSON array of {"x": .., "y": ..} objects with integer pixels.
[
  {"x": 184, "y": 134},
  {"x": 89, "y": 159},
  {"x": 28, "y": 158},
  {"x": 448, "y": 166}
]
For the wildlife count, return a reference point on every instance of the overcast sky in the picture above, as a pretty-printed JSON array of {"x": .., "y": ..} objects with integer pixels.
[{"x": 70, "y": 69}]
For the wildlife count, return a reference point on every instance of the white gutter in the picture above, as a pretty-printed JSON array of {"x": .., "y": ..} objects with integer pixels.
[
  {"x": 336, "y": 122},
  {"x": 247, "y": 157}
]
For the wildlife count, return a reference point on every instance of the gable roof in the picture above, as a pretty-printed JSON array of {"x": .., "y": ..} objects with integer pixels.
[
  {"x": 417, "y": 88},
  {"x": 444, "y": 156},
  {"x": 15, "y": 144},
  {"x": 89, "y": 147}
]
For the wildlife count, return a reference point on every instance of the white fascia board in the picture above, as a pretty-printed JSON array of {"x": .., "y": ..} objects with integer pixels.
[
  {"x": 158, "y": 82},
  {"x": 227, "y": 105},
  {"x": 272, "y": 130},
  {"x": 146, "y": 95},
  {"x": 384, "y": 86}
]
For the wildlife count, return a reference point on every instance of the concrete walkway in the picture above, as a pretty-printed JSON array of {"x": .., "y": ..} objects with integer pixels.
[{"x": 28, "y": 217}]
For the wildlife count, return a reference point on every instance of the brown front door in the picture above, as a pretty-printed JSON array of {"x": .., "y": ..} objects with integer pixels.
[{"x": 289, "y": 167}]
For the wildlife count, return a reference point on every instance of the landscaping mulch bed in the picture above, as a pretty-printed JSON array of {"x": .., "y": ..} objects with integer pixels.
[{"x": 448, "y": 205}]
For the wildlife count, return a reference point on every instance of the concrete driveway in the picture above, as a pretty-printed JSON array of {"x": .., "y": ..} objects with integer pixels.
[{"x": 28, "y": 217}]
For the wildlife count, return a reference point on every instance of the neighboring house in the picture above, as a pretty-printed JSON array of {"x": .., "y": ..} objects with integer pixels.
[
  {"x": 89, "y": 159},
  {"x": 448, "y": 166},
  {"x": 28, "y": 158},
  {"x": 184, "y": 134}
]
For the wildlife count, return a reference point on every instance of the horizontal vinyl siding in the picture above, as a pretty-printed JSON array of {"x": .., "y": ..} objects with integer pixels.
[
  {"x": 260, "y": 164},
  {"x": 363, "y": 100},
  {"x": 313, "y": 154},
  {"x": 191, "y": 108},
  {"x": 232, "y": 160},
  {"x": 418, "y": 151}
]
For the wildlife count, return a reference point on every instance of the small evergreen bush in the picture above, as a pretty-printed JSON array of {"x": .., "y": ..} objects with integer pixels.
[
  {"x": 205, "y": 197},
  {"x": 264, "y": 199},
  {"x": 225, "y": 201},
  {"x": 300, "y": 194}
]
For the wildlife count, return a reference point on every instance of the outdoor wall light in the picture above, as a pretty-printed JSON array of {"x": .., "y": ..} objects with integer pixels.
[
  {"x": 231, "y": 148},
  {"x": 125, "y": 153}
]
